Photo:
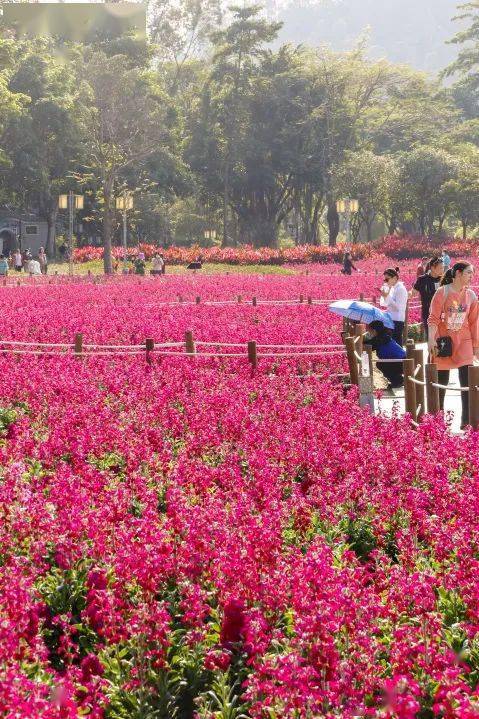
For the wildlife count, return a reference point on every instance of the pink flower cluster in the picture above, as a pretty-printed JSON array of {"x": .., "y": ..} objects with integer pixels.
[
  {"x": 244, "y": 255},
  {"x": 188, "y": 538}
]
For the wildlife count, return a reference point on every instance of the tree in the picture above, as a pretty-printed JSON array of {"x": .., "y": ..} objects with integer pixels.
[
  {"x": 463, "y": 190},
  {"x": 424, "y": 176},
  {"x": 45, "y": 140},
  {"x": 367, "y": 177},
  {"x": 181, "y": 30},
  {"x": 127, "y": 121},
  {"x": 239, "y": 49}
]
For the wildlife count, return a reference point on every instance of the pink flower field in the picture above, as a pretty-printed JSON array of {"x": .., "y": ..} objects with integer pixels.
[{"x": 187, "y": 538}]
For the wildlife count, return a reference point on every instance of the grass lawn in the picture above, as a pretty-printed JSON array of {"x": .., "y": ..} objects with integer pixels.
[{"x": 96, "y": 268}]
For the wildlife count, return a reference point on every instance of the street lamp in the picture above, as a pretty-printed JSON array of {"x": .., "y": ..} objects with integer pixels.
[
  {"x": 70, "y": 202},
  {"x": 210, "y": 235},
  {"x": 124, "y": 203},
  {"x": 347, "y": 208}
]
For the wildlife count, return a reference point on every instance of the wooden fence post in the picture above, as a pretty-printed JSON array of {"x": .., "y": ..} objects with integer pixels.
[
  {"x": 78, "y": 345},
  {"x": 301, "y": 299},
  {"x": 149, "y": 347},
  {"x": 352, "y": 361},
  {"x": 410, "y": 349},
  {"x": 432, "y": 393},
  {"x": 474, "y": 397},
  {"x": 198, "y": 300},
  {"x": 310, "y": 300},
  {"x": 254, "y": 302},
  {"x": 361, "y": 297},
  {"x": 410, "y": 388},
  {"x": 252, "y": 354},
  {"x": 344, "y": 335},
  {"x": 420, "y": 389},
  {"x": 190, "y": 343},
  {"x": 240, "y": 299}
]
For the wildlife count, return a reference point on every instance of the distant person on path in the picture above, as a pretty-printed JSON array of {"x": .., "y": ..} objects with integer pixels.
[
  {"x": 446, "y": 260},
  {"x": 27, "y": 256},
  {"x": 3, "y": 266},
  {"x": 163, "y": 272},
  {"x": 426, "y": 286},
  {"x": 348, "y": 265},
  {"x": 422, "y": 267},
  {"x": 455, "y": 315},
  {"x": 34, "y": 267},
  {"x": 381, "y": 341},
  {"x": 17, "y": 261},
  {"x": 395, "y": 301},
  {"x": 157, "y": 265},
  {"x": 139, "y": 263},
  {"x": 43, "y": 260}
]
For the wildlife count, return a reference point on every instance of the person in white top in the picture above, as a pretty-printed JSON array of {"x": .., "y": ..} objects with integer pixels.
[
  {"x": 157, "y": 264},
  {"x": 34, "y": 267},
  {"x": 395, "y": 300}
]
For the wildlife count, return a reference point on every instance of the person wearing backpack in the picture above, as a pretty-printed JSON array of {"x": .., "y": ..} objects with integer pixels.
[{"x": 454, "y": 330}]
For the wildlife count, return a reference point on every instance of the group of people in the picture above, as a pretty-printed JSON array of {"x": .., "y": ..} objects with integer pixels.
[
  {"x": 19, "y": 261},
  {"x": 450, "y": 316}
]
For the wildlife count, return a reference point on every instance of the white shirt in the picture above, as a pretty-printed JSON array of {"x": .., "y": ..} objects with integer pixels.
[
  {"x": 157, "y": 264},
  {"x": 396, "y": 302},
  {"x": 34, "y": 267}
]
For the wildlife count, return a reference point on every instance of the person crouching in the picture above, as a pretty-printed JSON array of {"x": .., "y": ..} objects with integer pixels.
[{"x": 381, "y": 341}]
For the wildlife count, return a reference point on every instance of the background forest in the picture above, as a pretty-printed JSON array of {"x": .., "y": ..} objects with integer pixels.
[{"x": 222, "y": 122}]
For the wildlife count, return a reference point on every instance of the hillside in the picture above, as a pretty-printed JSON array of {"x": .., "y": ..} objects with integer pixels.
[{"x": 404, "y": 31}]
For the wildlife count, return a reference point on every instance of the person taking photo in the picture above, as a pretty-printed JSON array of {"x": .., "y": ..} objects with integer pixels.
[{"x": 454, "y": 330}]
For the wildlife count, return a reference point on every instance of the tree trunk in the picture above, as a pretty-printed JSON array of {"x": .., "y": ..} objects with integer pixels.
[
  {"x": 369, "y": 230},
  {"x": 333, "y": 223},
  {"x": 107, "y": 227},
  {"x": 464, "y": 230},
  {"x": 226, "y": 202},
  {"x": 51, "y": 249},
  {"x": 392, "y": 226}
]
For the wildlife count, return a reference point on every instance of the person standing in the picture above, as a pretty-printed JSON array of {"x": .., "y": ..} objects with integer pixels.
[
  {"x": 348, "y": 265},
  {"x": 426, "y": 286},
  {"x": 395, "y": 301},
  {"x": 3, "y": 266},
  {"x": 17, "y": 261},
  {"x": 454, "y": 330},
  {"x": 163, "y": 271},
  {"x": 446, "y": 260},
  {"x": 157, "y": 264},
  {"x": 43, "y": 260}
]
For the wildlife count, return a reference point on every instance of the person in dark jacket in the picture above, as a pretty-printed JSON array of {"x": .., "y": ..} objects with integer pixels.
[
  {"x": 386, "y": 348},
  {"x": 427, "y": 285},
  {"x": 348, "y": 266}
]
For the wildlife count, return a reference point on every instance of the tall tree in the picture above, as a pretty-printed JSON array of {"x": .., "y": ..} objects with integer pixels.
[
  {"x": 45, "y": 140},
  {"x": 127, "y": 123},
  {"x": 239, "y": 49}
]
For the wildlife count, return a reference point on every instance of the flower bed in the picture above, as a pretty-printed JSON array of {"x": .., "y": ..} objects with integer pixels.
[
  {"x": 186, "y": 539},
  {"x": 244, "y": 255}
]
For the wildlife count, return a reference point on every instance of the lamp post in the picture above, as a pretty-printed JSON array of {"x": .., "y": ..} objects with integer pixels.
[
  {"x": 210, "y": 235},
  {"x": 124, "y": 203},
  {"x": 347, "y": 208},
  {"x": 70, "y": 202}
]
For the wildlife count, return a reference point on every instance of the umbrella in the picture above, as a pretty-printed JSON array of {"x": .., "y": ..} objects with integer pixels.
[{"x": 361, "y": 312}]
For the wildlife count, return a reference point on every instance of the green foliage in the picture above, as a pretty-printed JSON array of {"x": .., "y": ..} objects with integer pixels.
[{"x": 64, "y": 593}]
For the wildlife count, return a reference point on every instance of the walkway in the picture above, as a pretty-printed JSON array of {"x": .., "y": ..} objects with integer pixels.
[{"x": 395, "y": 398}]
